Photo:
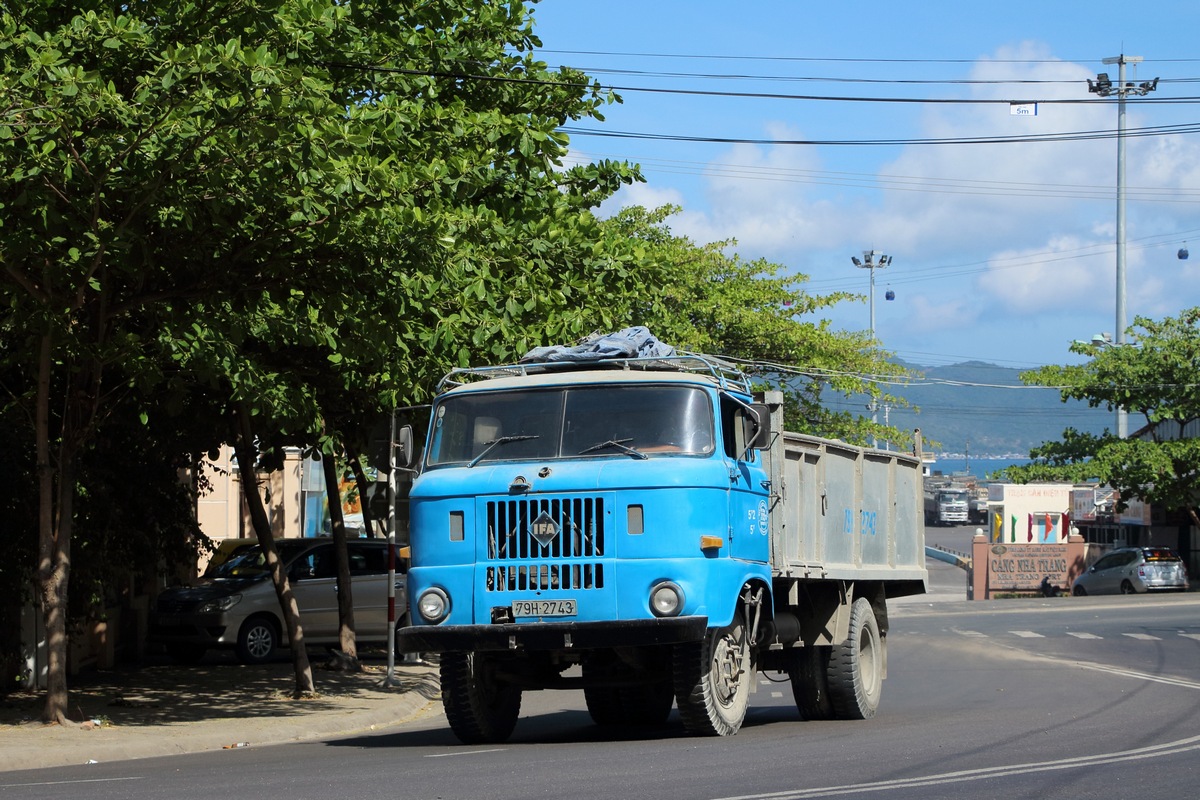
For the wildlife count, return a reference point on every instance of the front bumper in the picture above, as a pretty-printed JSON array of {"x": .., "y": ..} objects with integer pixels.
[{"x": 550, "y": 635}]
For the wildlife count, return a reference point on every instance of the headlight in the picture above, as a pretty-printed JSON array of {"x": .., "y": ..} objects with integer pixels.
[
  {"x": 220, "y": 604},
  {"x": 433, "y": 605},
  {"x": 666, "y": 599}
]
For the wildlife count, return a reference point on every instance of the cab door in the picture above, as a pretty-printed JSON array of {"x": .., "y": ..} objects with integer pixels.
[{"x": 749, "y": 525}]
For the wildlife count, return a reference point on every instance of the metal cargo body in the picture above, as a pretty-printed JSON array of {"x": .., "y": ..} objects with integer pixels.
[{"x": 845, "y": 513}]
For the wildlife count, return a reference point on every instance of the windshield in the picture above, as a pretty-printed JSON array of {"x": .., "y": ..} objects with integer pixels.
[
  {"x": 249, "y": 561},
  {"x": 604, "y": 421}
]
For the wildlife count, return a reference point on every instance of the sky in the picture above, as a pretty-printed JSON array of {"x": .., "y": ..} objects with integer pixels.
[{"x": 801, "y": 130}]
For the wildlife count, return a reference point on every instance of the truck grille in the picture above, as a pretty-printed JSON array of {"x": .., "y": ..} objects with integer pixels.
[{"x": 545, "y": 544}]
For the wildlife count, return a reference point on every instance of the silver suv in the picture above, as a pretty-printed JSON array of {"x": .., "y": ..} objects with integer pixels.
[
  {"x": 1129, "y": 570},
  {"x": 235, "y": 605}
]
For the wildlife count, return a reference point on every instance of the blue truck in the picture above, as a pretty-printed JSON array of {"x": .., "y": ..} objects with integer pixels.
[{"x": 643, "y": 529}]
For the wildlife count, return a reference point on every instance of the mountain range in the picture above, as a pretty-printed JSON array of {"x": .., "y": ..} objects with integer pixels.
[{"x": 982, "y": 409}]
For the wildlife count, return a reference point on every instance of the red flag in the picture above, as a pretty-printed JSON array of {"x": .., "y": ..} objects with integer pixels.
[{"x": 1029, "y": 536}]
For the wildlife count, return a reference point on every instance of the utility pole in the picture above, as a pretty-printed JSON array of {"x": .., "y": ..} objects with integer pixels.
[
  {"x": 872, "y": 260},
  {"x": 1103, "y": 86}
]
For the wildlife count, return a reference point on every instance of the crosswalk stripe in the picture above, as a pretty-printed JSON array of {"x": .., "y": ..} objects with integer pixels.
[
  {"x": 1079, "y": 635},
  {"x": 1144, "y": 637},
  {"x": 1027, "y": 634}
]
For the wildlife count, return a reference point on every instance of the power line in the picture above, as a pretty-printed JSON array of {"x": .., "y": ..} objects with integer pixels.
[{"x": 1041, "y": 138}]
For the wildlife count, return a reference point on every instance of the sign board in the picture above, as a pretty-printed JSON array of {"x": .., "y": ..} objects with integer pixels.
[
  {"x": 1021, "y": 567},
  {"x": 1022, "y": 109}
]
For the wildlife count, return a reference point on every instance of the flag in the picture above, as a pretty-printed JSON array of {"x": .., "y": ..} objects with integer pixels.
[{"x": 1029, "y": 535}]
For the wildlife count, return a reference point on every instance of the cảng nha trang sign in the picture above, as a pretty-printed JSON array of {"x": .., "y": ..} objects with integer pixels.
[{"x": 1021, "y": 567}]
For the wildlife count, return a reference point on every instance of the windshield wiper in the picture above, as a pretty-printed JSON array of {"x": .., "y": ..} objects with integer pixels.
[
  {"x": 494, "y": 443},
  {"x": 617, "y": 443}
]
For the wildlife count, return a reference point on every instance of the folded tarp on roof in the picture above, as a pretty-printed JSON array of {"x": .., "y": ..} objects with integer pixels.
[{"x": 635, "y": 342}]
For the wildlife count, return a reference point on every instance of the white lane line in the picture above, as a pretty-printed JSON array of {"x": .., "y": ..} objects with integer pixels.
[
  {"x": 468, "y": 753},
  {"x": 972, "y": 634},
  {"x": 71, "y": 783},
  {"x": 1142, "y": 637},
  {"x": 1078, "y": 635},
  {"x": 1027, "y": 634},
  {"x": 988, "y": 773},
  {"x": 1195, "y": 636}
]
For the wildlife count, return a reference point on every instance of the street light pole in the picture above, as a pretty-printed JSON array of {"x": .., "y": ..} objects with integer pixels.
[
  {"x": 1104, "y": 87},
  {"x": 872, "y": 260}
]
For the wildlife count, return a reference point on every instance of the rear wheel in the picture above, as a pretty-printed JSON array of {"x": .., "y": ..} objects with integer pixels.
[
  {"x": 1127, "y": 588},
  {"x": 807, "y": 667},
  {"x": 644, "y": 705},
  {"x": 856, "y": 666},
  {"x": 713, "y": 680},
  {"x": 481, "y": 708},
  {"x": 649, "y": 705}
]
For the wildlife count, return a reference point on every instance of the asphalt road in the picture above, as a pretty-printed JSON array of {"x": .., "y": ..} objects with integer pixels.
[{"x": 1064, "y": 698}]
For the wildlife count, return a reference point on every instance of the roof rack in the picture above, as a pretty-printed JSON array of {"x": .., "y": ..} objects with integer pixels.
[{"x": 726, "y": 374}]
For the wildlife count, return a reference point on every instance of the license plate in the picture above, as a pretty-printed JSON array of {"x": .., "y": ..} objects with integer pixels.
[{"x": 544, "y": 608}]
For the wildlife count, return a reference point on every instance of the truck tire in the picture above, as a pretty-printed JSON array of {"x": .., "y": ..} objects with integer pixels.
[
  {"x": 603, "y": 704},
  {"x": 480, "y": 708},
  {"x": 713, "y": 679},
  {"x": 642, "y": 705},
  {"x": 856, "y": 666},
  {"x": 808, "y": 668},
  {"x": 257, "y": 640},
  {"x": 647, "y": 706}
]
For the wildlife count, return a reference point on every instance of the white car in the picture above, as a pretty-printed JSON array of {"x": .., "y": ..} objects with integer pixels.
[
  {"x": 234, "y": 605},
  {"x": 1130, "y": 570}
]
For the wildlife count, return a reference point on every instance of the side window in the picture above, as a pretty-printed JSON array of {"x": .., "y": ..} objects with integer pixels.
[
  {"x": 303, "y": 567},
  {"x": 734, "y": 430},
  {"x": 1108, "y": 562},
  {"x": 367, "y": 560},
  {"x": 324, "y": 562}
]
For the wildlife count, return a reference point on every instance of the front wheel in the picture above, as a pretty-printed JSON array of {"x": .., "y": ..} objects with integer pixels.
[
  {"x": 856, "y": 666},
  {"x": 481, "y": 709},
  {"x": 713, "y": 680},
  {"x": 257, "y": 640}
]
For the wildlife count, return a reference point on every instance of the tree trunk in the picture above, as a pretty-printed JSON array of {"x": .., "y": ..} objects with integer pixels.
[
  {"x": 345, "y": 594},
  {"x": 54, "y": 547},
  {"x": 245, "y": 454}
]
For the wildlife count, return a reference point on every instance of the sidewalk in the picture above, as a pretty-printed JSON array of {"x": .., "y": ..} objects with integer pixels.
[{"x": 140, "y": 712}]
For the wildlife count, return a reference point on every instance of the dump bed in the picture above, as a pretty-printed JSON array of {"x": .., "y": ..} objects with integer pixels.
[{"x": 846, "y": 513}]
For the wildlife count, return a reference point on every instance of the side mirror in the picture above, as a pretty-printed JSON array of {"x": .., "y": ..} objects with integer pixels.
[
  {"x": 386, "y": 453},
  {"x": 404, "y": 452},
  {"x": 759, "y": 436}
]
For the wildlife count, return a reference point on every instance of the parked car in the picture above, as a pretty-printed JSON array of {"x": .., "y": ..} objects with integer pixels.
[
  {"x": 1128, "y": 570},
  {"x": 234, "y": 605}
]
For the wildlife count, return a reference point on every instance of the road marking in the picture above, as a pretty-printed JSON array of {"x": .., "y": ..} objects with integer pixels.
[
  {"x": 71, "y": 783},
  {"x": 468, "y": 753},
  {"x": 1027, "y": 634},
  {"x": 1143, "y": 637},
  {"x": 1083, "y": 635},
  {"x": 973, "y": 634},
  {"x": 987, "y": 773},
  {"x": 1195, "y": 636}
]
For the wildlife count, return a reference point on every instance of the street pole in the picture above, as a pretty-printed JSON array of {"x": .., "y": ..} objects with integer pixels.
[
  {"x": 872, "y": 260},
  {"x": 1104, "y": 88}
]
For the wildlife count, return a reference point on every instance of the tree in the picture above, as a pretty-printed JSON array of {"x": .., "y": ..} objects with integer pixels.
[
  {"x": 706, "y": 299},
  {"x": 180, "y": 177},
  {"x": 1154, "y": 377}
]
